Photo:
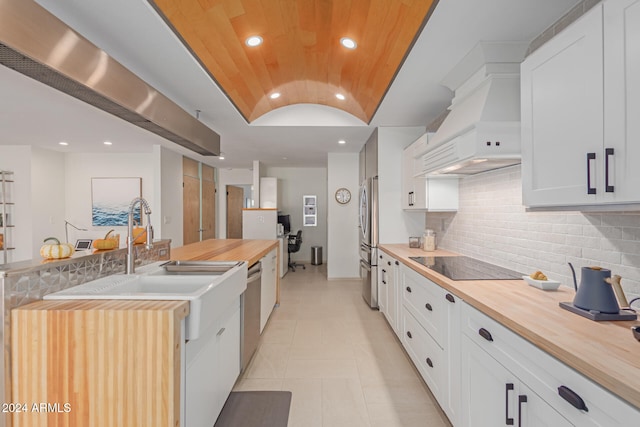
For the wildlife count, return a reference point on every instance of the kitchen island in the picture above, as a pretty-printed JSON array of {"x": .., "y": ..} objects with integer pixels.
[
  {"x": 605, "y": 353},
  {"x": 33, "y": 334}
]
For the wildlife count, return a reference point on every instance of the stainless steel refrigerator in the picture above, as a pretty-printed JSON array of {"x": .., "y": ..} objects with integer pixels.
[{"x": 368, "y": 224}]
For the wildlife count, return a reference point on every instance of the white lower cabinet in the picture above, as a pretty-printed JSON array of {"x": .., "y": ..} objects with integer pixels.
[
  {"x": 212, "y": 368},
  {"x": 506, "y": 380},
  {"x": 483, "y": 374},
  {"x": 495, "y": 397},
  {"x": 268, "y": 285},
  {"x": 430, "y": 333},
  {"x": 388, "y": 289},
  {"x": 425, "y": 353}
]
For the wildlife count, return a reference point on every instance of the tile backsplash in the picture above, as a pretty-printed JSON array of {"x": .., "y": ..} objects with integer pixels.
[{"x": 492, "y": 225}]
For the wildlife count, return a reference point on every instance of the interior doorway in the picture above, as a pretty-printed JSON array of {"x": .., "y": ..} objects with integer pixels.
[{"x": 235, "y": 203}]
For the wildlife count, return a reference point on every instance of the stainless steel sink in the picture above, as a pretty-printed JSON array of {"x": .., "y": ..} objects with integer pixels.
[{"x": 197, "y": 267}]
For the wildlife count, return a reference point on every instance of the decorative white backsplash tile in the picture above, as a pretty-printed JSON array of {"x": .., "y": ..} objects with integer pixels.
[{"x": 491, "y": 224}]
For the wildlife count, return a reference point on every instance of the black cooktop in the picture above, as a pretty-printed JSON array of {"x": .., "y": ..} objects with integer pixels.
[{"x": 465, "y": 268}]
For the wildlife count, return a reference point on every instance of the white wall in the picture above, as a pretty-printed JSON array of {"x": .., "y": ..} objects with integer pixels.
[
  {"x": 492, "y": 225},
  {"x": 228, "y": 177},
  {"x": 47, "y": 197},
  {"x": 343, "y": 256},
  {"x": 259, "y": 171},
  {"x": 18, "y": 160},
  {"x": 82, "y": 167},
  {"x": 396, "y": 225},
  {"x": 294, "y": 183},
  {"x": 167, "y": 221}
]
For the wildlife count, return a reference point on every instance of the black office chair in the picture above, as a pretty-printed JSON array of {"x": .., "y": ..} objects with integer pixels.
[{"x": 295, "y": 240}]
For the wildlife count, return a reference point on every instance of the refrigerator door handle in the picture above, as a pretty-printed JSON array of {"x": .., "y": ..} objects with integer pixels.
[
  {"x": 364, "y": 210},
  {"x": 373, "y": 211}
]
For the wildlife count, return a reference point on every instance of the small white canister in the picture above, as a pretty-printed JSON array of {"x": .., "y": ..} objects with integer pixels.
[{"x": 429, "y": 240}]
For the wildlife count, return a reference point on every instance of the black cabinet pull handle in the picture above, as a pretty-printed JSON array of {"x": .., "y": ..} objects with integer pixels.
[
  {"x": 572, "y": 397},
  {"x": 521, "y": 399},
  {"x": 384, "y": 282},
  {"x": 397, "y": 263},
  {"x": 485, "y": 334},
  {"x": 388, "y": 262},
  {"x": 590, "y": 189},
  {"x": 380, "y": 256},
  {"x": 408, "y": 289},
  {"x": 409, "y": 334},
  {"x": 507, "y": 420},
  {"x": 428, "y": 307},
  {"x": 450, "y": 298},
  {"x": 608, "y": 152},
  {"x": 429, "y": 362}
]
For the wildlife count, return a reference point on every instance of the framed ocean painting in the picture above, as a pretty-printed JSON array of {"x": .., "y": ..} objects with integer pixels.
[{"x": 110, "y": 200}]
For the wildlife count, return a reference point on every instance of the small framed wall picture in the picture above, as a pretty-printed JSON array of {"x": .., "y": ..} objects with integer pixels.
[{"x": 309, "y": 211}]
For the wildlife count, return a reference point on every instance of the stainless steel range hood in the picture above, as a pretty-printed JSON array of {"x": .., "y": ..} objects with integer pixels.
[
  {"x": 482, "y": 130},
  {"x": 36, "y": 43}
]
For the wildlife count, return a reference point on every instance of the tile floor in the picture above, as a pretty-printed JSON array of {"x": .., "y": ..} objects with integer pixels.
[{"x": 340, "y": 359}]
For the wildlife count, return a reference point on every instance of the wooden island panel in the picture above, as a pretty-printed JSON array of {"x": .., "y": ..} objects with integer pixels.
[{"x": 97, "y": 363}]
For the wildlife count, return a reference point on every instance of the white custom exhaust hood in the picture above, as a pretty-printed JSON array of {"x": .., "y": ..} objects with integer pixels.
[{"x": 482, "y": 131}]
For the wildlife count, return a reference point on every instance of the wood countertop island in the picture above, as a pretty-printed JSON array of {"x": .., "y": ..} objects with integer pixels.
[
  {"x": 604, "y": 352},
  {"x": 89, "y": 359},
  {"x": 225, "y": 250}
]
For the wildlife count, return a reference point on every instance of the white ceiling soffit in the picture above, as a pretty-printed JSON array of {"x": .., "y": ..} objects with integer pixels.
[{"x": 39, "y": 45}]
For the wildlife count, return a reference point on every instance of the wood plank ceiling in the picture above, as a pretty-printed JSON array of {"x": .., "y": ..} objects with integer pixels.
[{"x": 301, "y": 56}]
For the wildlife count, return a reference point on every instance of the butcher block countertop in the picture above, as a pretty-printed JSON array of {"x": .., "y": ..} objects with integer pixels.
[
  {"x": 105, "y": 363},
  {"x": 224, "y": 250},
  {"x": 605, "y": 352}
]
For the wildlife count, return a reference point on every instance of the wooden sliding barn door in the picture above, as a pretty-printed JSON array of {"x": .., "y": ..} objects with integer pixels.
[
  {"x": 190, "y": 201},
  {"x": 198, "y": 201},
  {"x": 235, "y": 203},
  {"x": 208, "y": 203}
]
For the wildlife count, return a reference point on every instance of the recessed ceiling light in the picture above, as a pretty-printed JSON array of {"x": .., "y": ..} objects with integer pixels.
[
  {"x": 108, "y": 143},
  {"x": 63, "y": 143},
  {"x": 340, "y": 96},
  {"x": 342, "y": 141},
  {"x": 348, "y": 43},
  {"x": 254, "y": 41},
  {"x": 275, "y": 95}
]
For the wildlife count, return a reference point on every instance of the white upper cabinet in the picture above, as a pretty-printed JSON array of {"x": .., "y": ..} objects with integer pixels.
[
  {"x": 562, "y": 116},
  {"x": 580, "y": 92},
  {"x": 425, "y": 194},
  {"x": 622, "y": 98}
]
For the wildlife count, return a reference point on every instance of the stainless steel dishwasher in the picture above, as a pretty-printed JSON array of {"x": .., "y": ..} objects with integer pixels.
[{"x": 250, "y": 315}]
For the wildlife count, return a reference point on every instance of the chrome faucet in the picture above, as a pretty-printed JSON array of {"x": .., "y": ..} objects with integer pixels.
[{"x": 130, "y": 257}]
